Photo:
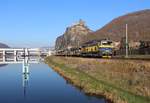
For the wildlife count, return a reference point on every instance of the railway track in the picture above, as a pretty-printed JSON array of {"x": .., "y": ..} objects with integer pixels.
[{"x": 116, "y": 58}]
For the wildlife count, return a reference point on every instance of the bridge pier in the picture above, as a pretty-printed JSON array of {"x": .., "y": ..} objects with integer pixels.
[
  {"x": 4, "y": 58},
  {"x": 26, "y": 52},
  {"x": 15, "y": 55}
]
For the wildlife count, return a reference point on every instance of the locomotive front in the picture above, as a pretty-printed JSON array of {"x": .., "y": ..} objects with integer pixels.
[{"x": 105, "y": 48}]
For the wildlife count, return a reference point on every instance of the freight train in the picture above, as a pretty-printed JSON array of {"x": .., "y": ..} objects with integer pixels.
[{"x": 95, "y": 48}]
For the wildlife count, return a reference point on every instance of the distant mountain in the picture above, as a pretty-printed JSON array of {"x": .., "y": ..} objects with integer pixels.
[
  {"x": 138, "y": 27},
  {"x": 3, "y": 45}
]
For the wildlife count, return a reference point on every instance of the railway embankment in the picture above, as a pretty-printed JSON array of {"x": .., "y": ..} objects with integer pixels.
[{"x": 121, "y": 81}]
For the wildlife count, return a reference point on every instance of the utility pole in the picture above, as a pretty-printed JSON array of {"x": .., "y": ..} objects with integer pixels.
[{"x": 126, "y": 40}]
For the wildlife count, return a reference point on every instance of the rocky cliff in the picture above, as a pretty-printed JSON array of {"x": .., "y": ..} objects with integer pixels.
[
  {"x": 73, "y": 36},
  {"x": 138, "y": 27}
]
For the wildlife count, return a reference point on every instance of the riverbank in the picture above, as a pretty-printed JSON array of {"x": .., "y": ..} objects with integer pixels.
[{"x": 122, "y": 81}]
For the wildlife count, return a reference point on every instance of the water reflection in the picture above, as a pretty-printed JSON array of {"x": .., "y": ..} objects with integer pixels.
[
  {"x": 25, "y": 74},
  {"x": 25, "y": 61},
  {"x": 2, "y": 65},
  {"x": 25, "y": 81}
]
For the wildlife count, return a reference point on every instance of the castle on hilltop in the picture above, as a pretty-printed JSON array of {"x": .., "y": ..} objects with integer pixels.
[{"x": 73, "y": 35}]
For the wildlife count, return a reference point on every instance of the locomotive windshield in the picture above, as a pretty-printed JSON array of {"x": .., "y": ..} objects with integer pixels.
[{"x": 106, "y": 42}]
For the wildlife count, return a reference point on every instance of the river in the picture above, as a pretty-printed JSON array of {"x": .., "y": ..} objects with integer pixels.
[{"x": 40, "y": 85}]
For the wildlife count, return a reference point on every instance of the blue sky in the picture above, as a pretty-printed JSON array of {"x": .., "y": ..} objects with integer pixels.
[{"x": 37, "y": 23}]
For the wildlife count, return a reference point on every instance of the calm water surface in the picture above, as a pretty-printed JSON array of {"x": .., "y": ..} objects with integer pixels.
[{"x": 43, "y": 86}]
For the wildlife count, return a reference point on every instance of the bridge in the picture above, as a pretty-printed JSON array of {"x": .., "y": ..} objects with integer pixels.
[
  {"x": 22, "y": 51},
  {"x": 7, "y": 55}
]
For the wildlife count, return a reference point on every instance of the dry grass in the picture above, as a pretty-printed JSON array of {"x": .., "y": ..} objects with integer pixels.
[{"x": 130, "y": 76}]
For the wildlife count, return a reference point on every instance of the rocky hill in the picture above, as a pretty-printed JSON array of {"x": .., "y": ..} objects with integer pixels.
[
  {"x": 138, "y": 27},
  {"x": 73, "y": 36}
]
